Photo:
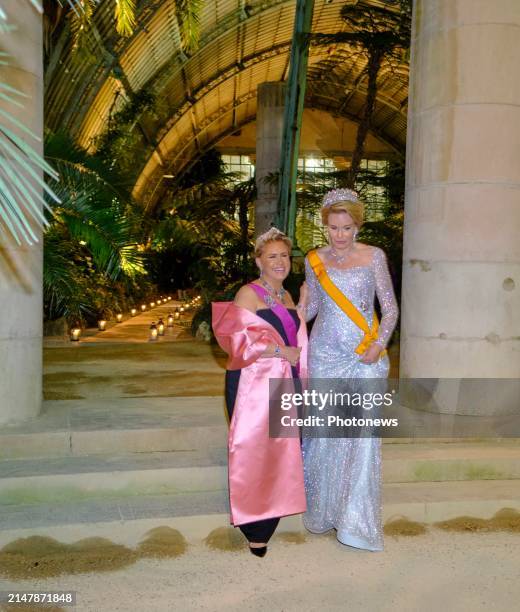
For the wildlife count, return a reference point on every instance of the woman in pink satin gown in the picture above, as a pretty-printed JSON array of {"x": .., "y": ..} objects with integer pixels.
[{"x": 265, "y": 338}]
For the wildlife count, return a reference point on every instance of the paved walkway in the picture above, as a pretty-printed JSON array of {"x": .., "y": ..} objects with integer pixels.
[
  {"x": 133, "y": 329},
  {"x": 121, "y": 362}
]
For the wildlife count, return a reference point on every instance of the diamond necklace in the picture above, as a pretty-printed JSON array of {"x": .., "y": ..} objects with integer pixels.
[
  {"x": 340, "y": 258},
  {"x": 269, "y": 300}
]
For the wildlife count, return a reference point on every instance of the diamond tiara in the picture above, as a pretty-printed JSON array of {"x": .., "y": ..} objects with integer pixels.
[
  {"x": 271, "y": 233},
  {"x": 339, "y": 195}
]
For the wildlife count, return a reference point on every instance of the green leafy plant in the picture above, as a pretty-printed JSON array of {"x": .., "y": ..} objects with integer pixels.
[
  {"x": 91, "y": 249},
  {"x": 22, "y": 181},
  {"x": 188, "y": 15},
  {"x": 23, "y": 169},
  {"x": 381, "y": 35}
]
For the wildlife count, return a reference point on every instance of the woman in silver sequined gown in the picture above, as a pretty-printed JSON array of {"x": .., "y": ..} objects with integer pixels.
[{"x": 343, "y": 475}]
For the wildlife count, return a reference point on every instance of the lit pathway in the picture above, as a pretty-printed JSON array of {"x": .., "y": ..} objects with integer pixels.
[
  {"x": 137, "y": 329},
  {"x": 122, "y": 362}
]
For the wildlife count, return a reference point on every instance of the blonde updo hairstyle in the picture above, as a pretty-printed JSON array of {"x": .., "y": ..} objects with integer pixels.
[
  {"x": 272, "y": 235},
  {"x": 355, "y": 209}
]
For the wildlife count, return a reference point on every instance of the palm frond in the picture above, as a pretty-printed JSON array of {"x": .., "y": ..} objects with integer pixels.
[
  {"x": 61, "y": 148},
  {"x": 309, "y": 234},
  {"x": 22, "y": 171},
  {"x": 62, "y": 288},
  {"x": 107, "y": 236},
  {"x": 188, "y": 16},
  {"x": 173, "y": 231},
  {"x": 91, "y": 247},
  {"x": 37, "y": 5},
  {"x": 5, "y": 27},
  {"x": 125, "y": 17},
  {"x": 79, "y": 23},
  {"x": 75, "y": 5},
  {"x": 93, "y": 213}
]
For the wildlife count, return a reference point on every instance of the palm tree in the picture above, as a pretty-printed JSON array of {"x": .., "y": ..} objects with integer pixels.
[
  {"x": 93, "y": 236},
  {"x": 205, "y": 224},
  {"x": 81, "y": 12},
  {"x": 23, "y": 170},
  {"x": 381, "y": 36}
]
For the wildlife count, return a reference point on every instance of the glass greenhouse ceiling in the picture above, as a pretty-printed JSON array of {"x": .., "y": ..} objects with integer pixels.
[{"x": 211, "y": 93}]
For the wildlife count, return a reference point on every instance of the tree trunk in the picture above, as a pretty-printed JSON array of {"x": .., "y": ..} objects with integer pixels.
[{"x": 375, "y": 57}]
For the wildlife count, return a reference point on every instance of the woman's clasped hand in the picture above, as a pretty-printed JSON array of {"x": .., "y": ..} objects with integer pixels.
[{"x": 290, "y": 354}]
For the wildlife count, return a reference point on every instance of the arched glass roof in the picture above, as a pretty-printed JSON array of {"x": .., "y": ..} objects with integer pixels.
[{"x": 211, "y": 93}]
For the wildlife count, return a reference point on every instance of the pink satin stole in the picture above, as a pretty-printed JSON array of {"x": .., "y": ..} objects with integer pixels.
[{"x": 265, "y": 474}]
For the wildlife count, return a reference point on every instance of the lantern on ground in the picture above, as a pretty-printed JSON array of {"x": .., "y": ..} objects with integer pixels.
[
  {"x": 102, "y": 324},
  {"x": 133, "y": 312},
  {"x": 75, "y": 333},
  {"x": 170, "y": 320},
  {"x": 152, "y": 304},
  {"x": 177, "y": 315},
  {"x": 153, "y": 332},
  {"x": 143, "y": 307},
  {"x": 119, "y": 317}
]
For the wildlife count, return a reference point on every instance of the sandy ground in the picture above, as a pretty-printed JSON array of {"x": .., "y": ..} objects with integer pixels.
[{"x": 432, "y": 572}]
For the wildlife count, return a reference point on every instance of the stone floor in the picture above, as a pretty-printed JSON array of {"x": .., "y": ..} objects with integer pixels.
[{"x": 121, "y": 362}]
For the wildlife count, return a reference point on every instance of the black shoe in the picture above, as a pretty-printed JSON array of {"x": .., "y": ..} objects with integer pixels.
[{"x": 259, "y": 551}]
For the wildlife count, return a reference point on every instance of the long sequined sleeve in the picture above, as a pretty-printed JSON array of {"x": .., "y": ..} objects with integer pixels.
[
  {"x": 386, "y": 297},
  {"x": 313, "y": 296}
]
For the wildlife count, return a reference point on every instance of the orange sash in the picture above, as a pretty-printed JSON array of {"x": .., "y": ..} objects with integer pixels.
[{"x": 345, "y": 304}]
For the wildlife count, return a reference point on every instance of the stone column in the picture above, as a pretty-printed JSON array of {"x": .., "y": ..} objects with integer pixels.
[
  {"x": 269, "y": 133},
  {"x": 21, "y": 267},
  {"x": 461, "y": 264}
]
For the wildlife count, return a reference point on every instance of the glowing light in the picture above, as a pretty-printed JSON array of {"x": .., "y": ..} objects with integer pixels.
[{"x": 153, "y": 332}]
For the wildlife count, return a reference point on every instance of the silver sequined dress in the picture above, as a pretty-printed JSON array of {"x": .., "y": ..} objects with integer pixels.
[{"x": 343, "y": 475}]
